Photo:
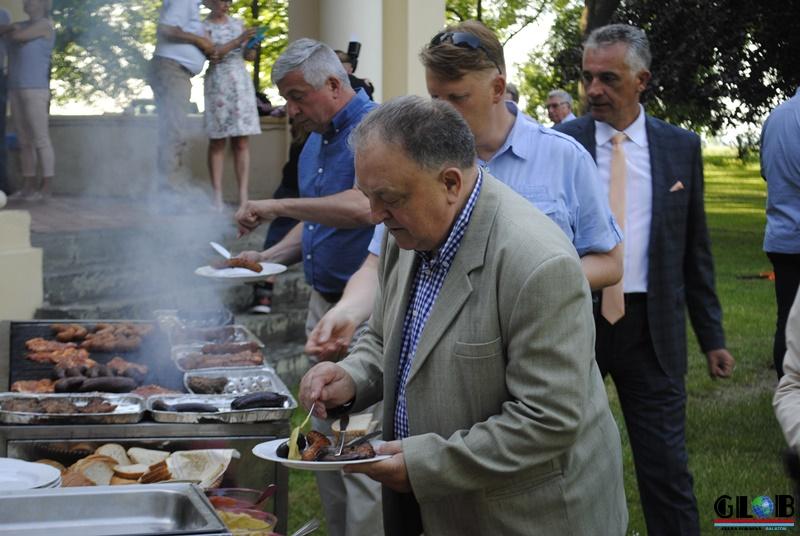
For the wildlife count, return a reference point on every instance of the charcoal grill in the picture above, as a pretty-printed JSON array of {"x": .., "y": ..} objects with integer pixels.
[{"x": 68, "y": 442}]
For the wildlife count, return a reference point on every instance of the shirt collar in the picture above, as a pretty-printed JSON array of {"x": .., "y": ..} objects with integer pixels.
[
  {"x": 636, "y": 131},
  {"x": 444, "y": 255},
  {"x": 348, "y": 114},
  {"x": 516, "y": 141}
]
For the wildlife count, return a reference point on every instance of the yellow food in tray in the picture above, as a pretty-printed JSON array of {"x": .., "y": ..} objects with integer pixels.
[{"x": 244, "y": 524}]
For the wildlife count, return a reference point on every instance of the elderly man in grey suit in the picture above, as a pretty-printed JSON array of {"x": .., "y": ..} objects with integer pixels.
[
  {"x": 654, "y": 175},
  {"x": 480, "y": 345}
]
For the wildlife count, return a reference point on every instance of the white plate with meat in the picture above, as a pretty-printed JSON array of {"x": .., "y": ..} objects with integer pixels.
[
  {"x": 241, "y": 275},
  {"x": 269, "y": 451}
]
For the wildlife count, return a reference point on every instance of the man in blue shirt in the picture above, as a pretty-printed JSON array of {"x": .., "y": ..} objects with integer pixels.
[
  {"x": 465, "y": 66},
  {"x": 335, "y": 227},
  {"x": 780, "y": 167}
]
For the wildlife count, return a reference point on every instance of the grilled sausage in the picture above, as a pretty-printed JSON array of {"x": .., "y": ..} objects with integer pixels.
[
  {"x": 70, "y": 384},
  {"x": 262, "y": 399},
  {"x": 112, "y": 384}
]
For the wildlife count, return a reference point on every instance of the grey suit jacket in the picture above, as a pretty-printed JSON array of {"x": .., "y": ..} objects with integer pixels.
[
  {"x": 511, "y": 432},
  {"x": 681, "y": 269}
]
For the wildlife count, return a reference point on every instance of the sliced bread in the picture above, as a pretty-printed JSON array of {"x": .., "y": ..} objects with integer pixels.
[
  {"x": 116, "y": 451},
  {"x": 146, "y": 456},
  {"x": 358, "y": 426},
  {"x": 132, "y": 471},
  {"x": 158, "y": 472},
  {"x": 74, "y": 479},
  {"x": 97, "y": 468}
]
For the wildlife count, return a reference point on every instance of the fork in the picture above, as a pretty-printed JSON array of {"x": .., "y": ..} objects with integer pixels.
[{"x": 343, "y": 422}]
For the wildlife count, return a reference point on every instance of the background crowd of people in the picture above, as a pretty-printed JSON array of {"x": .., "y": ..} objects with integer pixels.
[{"x": 28, "y": 46}]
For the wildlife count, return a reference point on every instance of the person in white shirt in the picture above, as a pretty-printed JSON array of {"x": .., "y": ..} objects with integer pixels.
[{"x": 181, "y": 51}]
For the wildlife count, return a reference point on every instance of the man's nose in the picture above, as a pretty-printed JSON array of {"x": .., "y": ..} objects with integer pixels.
[
  {"x": 291, "y": 109},
  {"x": 377, "y": 213},
  {"x": 593, "y": 88}
]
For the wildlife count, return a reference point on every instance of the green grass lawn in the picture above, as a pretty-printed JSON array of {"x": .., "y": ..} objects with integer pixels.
[{"x": 733, "y": 437}]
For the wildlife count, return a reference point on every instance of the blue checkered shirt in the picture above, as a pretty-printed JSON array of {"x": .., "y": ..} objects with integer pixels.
[{"x": 431, "y": 272}]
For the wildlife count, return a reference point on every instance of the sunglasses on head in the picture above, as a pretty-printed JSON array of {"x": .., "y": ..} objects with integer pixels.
[{"x": 463, "y": 40}]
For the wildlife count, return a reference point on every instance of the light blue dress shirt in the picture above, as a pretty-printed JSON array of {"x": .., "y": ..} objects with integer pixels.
[
  {"x": 557, "y": 175},
  {"x": 780, "y": 167}
]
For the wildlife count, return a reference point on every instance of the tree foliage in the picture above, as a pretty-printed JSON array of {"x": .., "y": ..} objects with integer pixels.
[
  {"x": 715, "y": 62},
  {"x": 558, "y": 64},
  {"x": 102, "y": 47},
  {"x": 506, "y": 18}
]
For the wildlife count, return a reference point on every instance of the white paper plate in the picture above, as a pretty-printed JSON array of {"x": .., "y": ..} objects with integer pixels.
[
  {"x": 241, "y": 275},
  {"x": 268, "y": 451},
  {"x": 19, "y": 474}
]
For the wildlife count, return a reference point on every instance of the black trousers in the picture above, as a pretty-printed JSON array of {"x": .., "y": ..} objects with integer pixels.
[
  {"x": 654, "y": 407},
  {"x": 787, "y": 280}
]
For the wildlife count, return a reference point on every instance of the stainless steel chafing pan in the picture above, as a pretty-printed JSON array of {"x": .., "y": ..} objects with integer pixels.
[{"x": 163, "y": 509}]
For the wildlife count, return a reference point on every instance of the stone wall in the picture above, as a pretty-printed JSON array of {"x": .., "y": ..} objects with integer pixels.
[{"x": 115, "y": 155}]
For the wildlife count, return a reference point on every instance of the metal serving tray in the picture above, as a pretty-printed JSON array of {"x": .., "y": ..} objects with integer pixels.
[
  {"x": 216, "y": 335},
  {"x": 130, "y": 409},
  {"x": 225, "y": 413},
  {"x": 241, "y": 380},
  {"x": 134, "y": 510},
  {"x": 182, "y": 350}
]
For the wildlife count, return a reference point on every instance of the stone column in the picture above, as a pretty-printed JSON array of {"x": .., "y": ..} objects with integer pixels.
[
  {"x": 407, "y": 26},
  {"x": 391, "y": 33},
  {"x": 342, "y": 21},
  {"x": 21, "y": 288}
]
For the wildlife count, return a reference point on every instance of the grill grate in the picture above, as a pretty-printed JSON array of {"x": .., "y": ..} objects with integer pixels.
[{"x": 154, "y": 352}]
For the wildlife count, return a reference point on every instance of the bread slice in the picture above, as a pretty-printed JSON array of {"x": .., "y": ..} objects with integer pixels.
[
  {"x": 132, "y": 471},
  {"x": 74, "y": 479},
  {"x": 147, "y": 456},
  {"x": 97, "y": 468},
  {"x": 116, "y": 451},
  {"x": 158, "y": 472},
  {"x": 358, "y": 426},
  {"x": 119, "y": 481}
]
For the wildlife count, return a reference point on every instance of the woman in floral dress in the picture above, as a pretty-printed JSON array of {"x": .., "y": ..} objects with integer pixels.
[{"x": 230, "y": 99}]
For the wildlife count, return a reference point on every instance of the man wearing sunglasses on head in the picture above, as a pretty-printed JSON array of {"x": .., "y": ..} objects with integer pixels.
[{"x": 465, "y": 66}]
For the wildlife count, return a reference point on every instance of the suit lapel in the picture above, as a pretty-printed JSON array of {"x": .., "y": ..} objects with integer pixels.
[
  {"x": 406, "y": 267},
  {"x": 659, "y": 165},
  {"x": 457, "y": 286},
  {"x": 586, "y": 137}
]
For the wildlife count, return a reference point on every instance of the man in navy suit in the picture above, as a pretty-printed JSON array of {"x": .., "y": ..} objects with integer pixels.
[{"x": 667, "y": 269}]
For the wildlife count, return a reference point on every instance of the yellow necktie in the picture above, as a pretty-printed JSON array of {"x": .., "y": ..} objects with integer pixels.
[{"x": 613, "y": 304}]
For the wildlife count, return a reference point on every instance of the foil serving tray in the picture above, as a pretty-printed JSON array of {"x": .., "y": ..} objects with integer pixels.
[
  {"x": 240, "y": 380},
  {"x": 223, "y": 404},
  {"x": 130, "y": 409}
]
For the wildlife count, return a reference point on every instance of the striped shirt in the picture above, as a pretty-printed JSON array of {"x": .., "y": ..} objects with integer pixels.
[{"x": 432, "y": 269}]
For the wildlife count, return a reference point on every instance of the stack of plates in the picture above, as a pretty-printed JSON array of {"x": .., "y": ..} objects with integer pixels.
[{"x": 19, "y": 474}]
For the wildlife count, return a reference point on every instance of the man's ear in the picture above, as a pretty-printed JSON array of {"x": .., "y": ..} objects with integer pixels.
[
  {"x": 334, "y": 84},
  {"x": 499, "y": 88},
  {"x": 643, "y": 78},
  {"x": 453, "y": 180}
]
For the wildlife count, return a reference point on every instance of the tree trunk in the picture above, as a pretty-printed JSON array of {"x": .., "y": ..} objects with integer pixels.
[{"x": 597, "y": 13}]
